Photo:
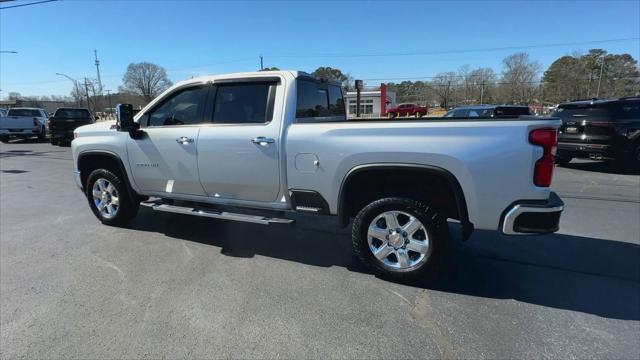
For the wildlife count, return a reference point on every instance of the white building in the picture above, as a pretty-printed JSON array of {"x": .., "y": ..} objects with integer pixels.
[{"x": 370, "y": 102}]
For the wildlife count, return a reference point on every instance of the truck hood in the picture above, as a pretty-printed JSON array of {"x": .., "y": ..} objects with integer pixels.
[{"x": 102, "y": 127}]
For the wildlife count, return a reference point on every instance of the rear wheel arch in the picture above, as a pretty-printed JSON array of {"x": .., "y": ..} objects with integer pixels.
[{"x": 373, "y": 175}]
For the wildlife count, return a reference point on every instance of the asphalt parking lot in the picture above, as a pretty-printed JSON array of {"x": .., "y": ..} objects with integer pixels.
[{"x": 176, "y": 286}]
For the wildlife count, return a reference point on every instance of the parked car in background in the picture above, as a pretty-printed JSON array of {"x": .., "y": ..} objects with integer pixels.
[
  {"x": 64, "y": 121},
  {"x": 259, "y": 147},
  {"x": 488, "y": 111},
  {"x": 600, "y": 130},
  {"x": 407, "y": 110},
  {"x": 23, "y": 123}
]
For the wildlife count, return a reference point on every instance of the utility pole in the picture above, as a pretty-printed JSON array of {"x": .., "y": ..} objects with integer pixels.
[
  {"x": 86, "y": 89},
  {"x": 261, "y": 63},
  {"x": 109, "y": 99},
  {"x": 600, "y": 77},
  {"x": 95, "y": 53},
  {"x": 482, "y": 90}
]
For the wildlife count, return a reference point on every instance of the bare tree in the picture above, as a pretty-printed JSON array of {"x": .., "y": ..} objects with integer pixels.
[
  {"x": 444, "y": 85},
  {"x": 145, "y": 79},
  {"x": 519, "y": 75}
]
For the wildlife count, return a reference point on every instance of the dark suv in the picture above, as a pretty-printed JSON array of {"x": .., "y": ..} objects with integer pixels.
[
  {"x": 488, "y": 111},
  {"x": 600, "y": 130}
]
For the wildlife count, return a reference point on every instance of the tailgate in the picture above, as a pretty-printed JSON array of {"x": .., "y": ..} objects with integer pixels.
[
  {"x": 66, "y": 124},
  {"x": 16, "y": 122}
]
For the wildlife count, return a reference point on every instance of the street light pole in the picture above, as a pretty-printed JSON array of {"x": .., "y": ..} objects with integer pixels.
[{"x": 75, "y": 85}]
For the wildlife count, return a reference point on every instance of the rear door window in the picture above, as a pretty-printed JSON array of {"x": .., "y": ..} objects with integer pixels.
[
  {"x": 248, "y": 103},
  {"x": 319, "y": 102}
]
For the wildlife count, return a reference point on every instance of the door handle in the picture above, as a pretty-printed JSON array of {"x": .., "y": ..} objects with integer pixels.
[
  {"x": 184, "y": 140},
  {"x": 262, "y": 141}
]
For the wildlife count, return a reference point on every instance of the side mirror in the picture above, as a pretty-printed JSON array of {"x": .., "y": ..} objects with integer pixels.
[{"x": 125, "y": 121}]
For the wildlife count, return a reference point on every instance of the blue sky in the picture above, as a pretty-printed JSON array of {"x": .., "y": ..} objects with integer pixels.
[{"x": 208, "y": 37}]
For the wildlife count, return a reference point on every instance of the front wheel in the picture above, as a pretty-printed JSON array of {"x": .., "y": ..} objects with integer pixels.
[
  {"x": 399, "y": 238},
  {"x": 109, "y": 198}
]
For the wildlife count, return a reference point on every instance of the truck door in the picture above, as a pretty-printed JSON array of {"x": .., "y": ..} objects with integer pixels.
[
  {"x": 164, "y": 159},
  {"x": 238, "y": 154}
]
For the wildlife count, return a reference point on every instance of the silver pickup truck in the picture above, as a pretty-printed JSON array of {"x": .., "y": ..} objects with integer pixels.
[{"x": 257, "y": 147}]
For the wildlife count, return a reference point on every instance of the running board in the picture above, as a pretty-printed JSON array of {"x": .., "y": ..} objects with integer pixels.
[{"x": 256, "y": 219}]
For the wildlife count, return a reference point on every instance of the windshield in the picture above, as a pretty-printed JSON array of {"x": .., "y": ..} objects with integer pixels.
[
  {"x": 24, "y": 112},
  {"x": 73, "y": 113}
]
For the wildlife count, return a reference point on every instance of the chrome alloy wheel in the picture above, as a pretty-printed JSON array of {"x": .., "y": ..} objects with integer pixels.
[
  {"x": 105, "y": 197},
  {"x": 398, "y": 240}
]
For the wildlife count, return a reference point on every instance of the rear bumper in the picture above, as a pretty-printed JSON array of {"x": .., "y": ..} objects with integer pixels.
[
  {"x": 586, "y": 150},
  {"x": 533, "y": 217},
  {"x": 19, "y": 132}
]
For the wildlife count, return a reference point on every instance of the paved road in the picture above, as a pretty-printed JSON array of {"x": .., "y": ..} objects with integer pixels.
[{"x": 177, "y": 286}]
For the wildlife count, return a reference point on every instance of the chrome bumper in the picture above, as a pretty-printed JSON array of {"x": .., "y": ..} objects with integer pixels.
[{"x": 533, "y": 218}]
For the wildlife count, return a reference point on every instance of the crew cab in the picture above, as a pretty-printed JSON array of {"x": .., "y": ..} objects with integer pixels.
[
  {"x": 407, "y": 109},
  {"x": 23, "y": 123},
  {"x": 64, "y": 121},
  {"x": 600, "y": 129},
  {"x": 259, "y": 147}
]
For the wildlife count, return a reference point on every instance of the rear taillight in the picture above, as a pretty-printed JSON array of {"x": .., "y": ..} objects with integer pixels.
[{"x": 543, "y": 170}]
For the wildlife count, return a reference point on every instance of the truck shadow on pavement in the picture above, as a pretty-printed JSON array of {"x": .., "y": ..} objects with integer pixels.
[{"x": 595, "y": 276}]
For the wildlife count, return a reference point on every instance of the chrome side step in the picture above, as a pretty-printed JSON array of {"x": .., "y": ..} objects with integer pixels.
[{"x": 256, "y": 219}]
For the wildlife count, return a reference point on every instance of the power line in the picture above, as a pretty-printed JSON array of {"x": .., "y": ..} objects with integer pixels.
[
  {"x": 33, "y": 3},
  {"x": 421, "y": 53}
]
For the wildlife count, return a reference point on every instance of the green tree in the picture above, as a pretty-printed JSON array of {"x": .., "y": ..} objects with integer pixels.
[{"x": 336, "y": 75}]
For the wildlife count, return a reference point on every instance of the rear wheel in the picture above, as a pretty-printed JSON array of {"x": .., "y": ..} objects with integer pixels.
[
  {"x": 42, "y": 134},
  {"x": 4, "y": 139},
  {"x": 109, "y": 198},
  {"x": 399, "y": 238}
]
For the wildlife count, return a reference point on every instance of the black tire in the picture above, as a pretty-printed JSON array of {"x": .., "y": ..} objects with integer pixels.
[
  {"x": 563, "y": 160},
  {"x": 434, "y": 223},
  {"x": 54, "y": 141},
  {"x": 4, "y": 139},
  {"x": 127, "y": 208},
  {"x": 42, "y": 135}
]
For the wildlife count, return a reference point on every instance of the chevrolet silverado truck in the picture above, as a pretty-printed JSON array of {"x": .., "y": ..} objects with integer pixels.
[
  {"x": 23, "y": 123},
  {"x": 260, "y": 147}
]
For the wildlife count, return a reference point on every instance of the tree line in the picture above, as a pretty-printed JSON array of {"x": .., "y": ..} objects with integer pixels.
[{"x": 521, "y": 81}]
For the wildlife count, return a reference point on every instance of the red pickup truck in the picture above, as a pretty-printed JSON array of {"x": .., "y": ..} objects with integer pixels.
[{"x": 407, "y": 110}]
